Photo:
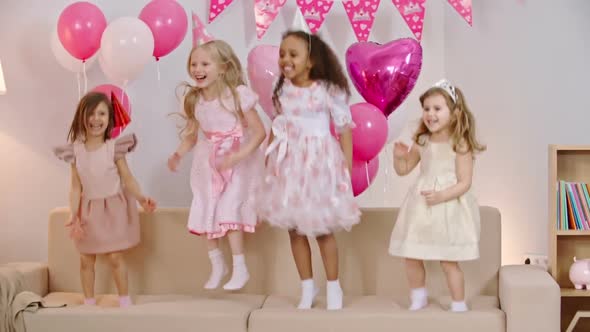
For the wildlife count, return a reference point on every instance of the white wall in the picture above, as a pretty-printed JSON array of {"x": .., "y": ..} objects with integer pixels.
[
  {"x": 36, "y": 112},
  {"x": 524, "y": 69}
]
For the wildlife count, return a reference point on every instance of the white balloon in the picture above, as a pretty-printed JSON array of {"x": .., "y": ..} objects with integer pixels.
[
  {"x": 127, "y": 45},
  {"x": 65, "y": 59},
  {"x": 402, "y": 126}
]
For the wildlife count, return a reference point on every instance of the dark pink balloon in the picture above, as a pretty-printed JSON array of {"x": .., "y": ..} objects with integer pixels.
[
  {"x": 370, "y": 132},
  {"x": 360, "y": 171},
  {"x": 168, "y": 23},
  {"x": 384, "y": 74},
  {"x": 80, "y": 27}
]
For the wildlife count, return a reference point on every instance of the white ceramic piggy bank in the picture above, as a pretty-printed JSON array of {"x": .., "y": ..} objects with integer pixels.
[{"x": 580, "y": 273}]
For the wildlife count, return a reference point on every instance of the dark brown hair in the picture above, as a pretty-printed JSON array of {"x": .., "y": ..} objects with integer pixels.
[
  {"x": 462, "y": 122},
  {"x": 86, "y": 105},
  {"x": 324, "y": 65}
]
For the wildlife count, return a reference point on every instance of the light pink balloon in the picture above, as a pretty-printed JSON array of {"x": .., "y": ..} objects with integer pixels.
[
  {"x": 370, "y": 133},
  {"x": 358, "y": 176},
  {"x": 121, "y": 96},
  {"x": 263, "y": 70},
  {"x": 168, "y": 23},
  {"x": 80, "y": 27}
]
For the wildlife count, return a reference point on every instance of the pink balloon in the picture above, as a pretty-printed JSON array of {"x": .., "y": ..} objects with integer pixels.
[
  {"x": 168, "y": 23},
  {"x": 358, "y": 176},
  {"x": 384, "y": 74},
  {"x": 80, "y": 27},
  {"x": 123, "y": 99},
  {"x": 370, "y": 133},
  {"x": 263, "y": 70}
]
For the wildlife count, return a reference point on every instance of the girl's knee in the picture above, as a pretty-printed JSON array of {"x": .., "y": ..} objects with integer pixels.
[
  {"x": 450, "y": 266},
  {"x": 115, "y": 259},
  {"x": 87, "y": 261}
]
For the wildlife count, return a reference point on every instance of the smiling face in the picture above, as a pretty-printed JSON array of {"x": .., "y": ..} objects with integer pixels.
[
  {"x": 294, "y": 59},
  {"x": 203, "y": 68},
  {"x": 436, "y": 114},
  {"x": 97, "y": 121}
]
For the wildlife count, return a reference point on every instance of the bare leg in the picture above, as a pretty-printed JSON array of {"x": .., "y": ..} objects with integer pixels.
[
  {"x": 87, "y": 263},
  {"x": 329, "y": 251},
  {"x": 416, "y": 275},
  {"x": 302, "y": 256},
  {"x": 119, "y": 271},
  {"x": 240, "y": 275},
  {"x": 456, "y": 284}
]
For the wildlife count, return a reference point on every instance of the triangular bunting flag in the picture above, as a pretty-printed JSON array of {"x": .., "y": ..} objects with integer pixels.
[
  {"x": 216, "y": 7},
  {"x": 413, "y": 13},
  {"x": 463, "y": 7},
  {"x": 265, "y": 12},
  {"x": 361, "y": 15},
  {"x": 314, "y": 12},
  {"x": 200, "y": 34}
]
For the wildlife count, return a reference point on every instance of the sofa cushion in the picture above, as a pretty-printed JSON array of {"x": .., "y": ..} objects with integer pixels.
[
  {"x": 376, "y": 314},
  {"x": 214, "y": 312}
]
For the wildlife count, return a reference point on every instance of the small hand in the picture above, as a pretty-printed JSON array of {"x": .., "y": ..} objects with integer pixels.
[
  {"x": 173, "y": 161},
  {"x": 401, "y": 150},
  {"x": 148, "y": 204},
  {"x": 432, "y": 197},
  {"x": 229, "y": 161},
  {"x": 73, "y": 219}
]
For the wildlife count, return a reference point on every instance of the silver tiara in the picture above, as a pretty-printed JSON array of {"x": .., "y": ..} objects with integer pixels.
[{"x": 446, "y": 85}]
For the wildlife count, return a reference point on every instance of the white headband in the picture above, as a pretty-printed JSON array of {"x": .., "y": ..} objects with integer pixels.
[{"x": 446, "y": 85}]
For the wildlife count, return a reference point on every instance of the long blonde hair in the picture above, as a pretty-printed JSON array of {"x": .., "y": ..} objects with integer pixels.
[
  {"x": 231, "y": 77},
  {"x": 462, "y": 122}
]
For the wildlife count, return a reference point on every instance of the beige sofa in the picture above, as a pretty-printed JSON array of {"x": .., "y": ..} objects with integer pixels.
[{"x": 168, "y": 269}]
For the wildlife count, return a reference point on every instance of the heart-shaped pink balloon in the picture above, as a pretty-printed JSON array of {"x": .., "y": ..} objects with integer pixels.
[{"x": 384, "y": 74}]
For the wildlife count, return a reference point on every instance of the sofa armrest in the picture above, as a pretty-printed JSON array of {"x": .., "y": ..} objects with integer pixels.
[
  {"x": 36, "y": 276},
  {"x": 530, "y": 298}
]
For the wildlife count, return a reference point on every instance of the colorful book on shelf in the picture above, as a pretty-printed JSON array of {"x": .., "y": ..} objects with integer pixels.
[{"x": 573, "y": 206}]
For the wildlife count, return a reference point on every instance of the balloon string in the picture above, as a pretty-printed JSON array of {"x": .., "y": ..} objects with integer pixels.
[
  {"x": 158, "y": 71},
  {"x": 367, "y": 173},
  {"x": 85, "y": 77},
  {"x": 79, "y": 86}
]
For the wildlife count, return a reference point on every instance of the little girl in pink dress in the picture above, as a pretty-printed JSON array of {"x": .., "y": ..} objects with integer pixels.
[
  {"x": 225, "y": 131},
  {"x": 104, "y": 194}
]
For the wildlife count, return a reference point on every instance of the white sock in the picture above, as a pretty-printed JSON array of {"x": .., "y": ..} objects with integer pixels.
[
  {"x": 218, "y": 269},
  {"x": 240, "y": 275},
  {"x": 334, "y": 295},
  {"x": 308, "y": 294},
  {"x": 459, "y": 306},
  {"x": 419, "y": 298}
]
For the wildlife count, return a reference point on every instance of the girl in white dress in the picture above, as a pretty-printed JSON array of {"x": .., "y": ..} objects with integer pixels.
[{"x": 439, "y": 218}]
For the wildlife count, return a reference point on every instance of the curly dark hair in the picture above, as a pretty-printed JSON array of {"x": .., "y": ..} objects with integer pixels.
[{"x": 325, "y": 65}]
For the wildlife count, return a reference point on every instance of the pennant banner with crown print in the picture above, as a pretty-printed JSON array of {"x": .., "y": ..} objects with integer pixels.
[
  {"x": 361, "y": 14},
  {"x": 200, "y": 34},
  {"x": 413, "y": 13},
  {"x": 314, "y": 12},
  {"x": 463, "y": 7},
  {"x": 216, "y": 7},
  {"x": 266, "y": 11}
]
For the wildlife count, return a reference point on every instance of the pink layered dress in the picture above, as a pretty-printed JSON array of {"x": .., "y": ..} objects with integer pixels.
[
  {"x": 223, "y": 200},
  {"x": 307, "y": 184},
  {"x": 108, "y": 213}
]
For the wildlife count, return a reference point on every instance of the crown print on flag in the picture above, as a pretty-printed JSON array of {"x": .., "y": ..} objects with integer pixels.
[
  {"x": 361, "y": 15},
  {"x": 314, "y": 12},
  {"x": 413, "y": 13},
  {"x": 216, "y": 7},
  {"x": 265, "y": 12},
  {"x": 463, "y": 7}
]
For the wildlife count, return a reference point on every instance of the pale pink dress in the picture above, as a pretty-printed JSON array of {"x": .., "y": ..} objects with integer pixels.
[
  {"x": 108, "y": 213},
  {"x": 307, "y": 184},
  {"x": 223, "y": 201}
]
